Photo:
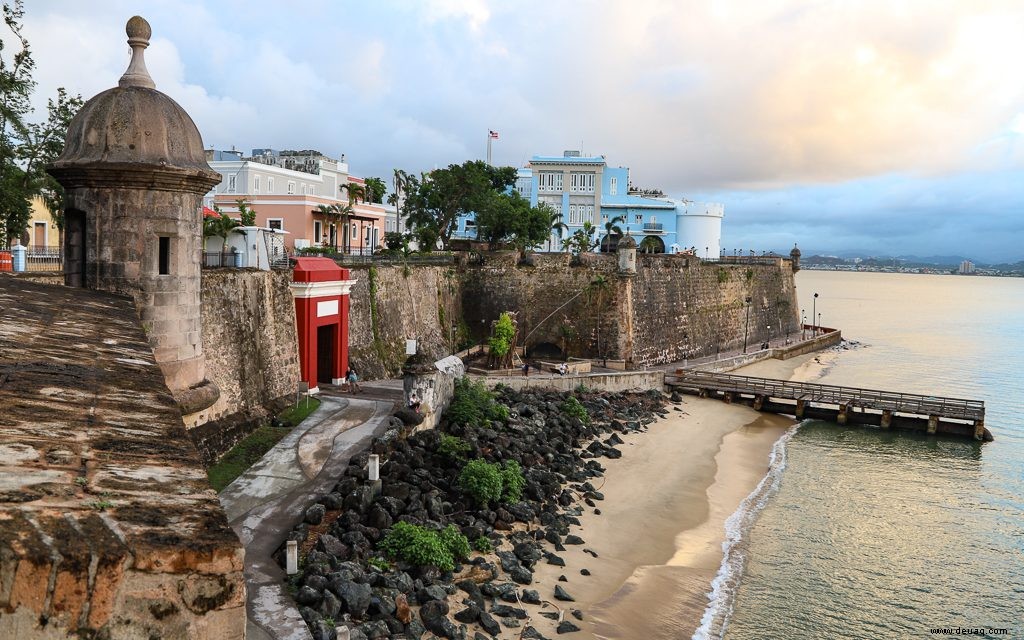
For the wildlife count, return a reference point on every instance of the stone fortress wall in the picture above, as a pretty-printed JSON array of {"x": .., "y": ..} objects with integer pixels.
[
  {"x": 252, "y": 353},
  {"x": 675, "y": 307}
]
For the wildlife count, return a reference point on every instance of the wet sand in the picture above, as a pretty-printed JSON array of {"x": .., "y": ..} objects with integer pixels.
[{"x": 660, "y": 532}]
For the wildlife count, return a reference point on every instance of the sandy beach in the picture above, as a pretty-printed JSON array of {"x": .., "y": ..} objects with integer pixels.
[{"x": 659, "y": 535}]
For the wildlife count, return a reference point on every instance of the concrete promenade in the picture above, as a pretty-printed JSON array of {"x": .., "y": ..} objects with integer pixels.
[{"x": 265, "y": 502}]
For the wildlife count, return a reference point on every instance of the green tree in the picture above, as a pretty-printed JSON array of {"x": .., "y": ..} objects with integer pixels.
[
  {"x": 375, "y": 190},
  {"x": 246, "y": 216},
  {"x": 434, "y": 203},
  {"x": 582, "y": 239},
  {"x": 26, "y": 149},
  {"x": 555, "y": 224},
  {"x": 508, "y": 217},
  {"x": 356, "y": 192},
  {"x": 611, "y": 230},
  {"x": 221, "y": 226}
]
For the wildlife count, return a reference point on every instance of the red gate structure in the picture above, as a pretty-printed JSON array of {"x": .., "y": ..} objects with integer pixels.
[{"x": 321, "y": 288}]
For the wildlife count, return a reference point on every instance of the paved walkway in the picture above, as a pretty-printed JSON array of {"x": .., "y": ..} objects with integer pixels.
[{"x": 264, "y": 503}]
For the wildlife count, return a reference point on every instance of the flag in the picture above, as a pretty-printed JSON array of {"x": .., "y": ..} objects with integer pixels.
[{"x": 493, "y": 134}]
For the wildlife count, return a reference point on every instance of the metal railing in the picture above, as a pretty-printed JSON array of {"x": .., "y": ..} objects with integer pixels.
[
  {"x": 44, "y": 258},
  {"x": 737, "y": 259},
  {"x": 653, "y": 226},
  {"x": 831, "y": 394}
]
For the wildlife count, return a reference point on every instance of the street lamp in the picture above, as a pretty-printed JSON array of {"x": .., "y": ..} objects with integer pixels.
[
  {"x": 819, "y": 321},
  {"x": 746, "y": 326},
  {"x": 768, "y": 335},
  {"x": 814, "y": 331},
  {"x": 803, "y": 321}
]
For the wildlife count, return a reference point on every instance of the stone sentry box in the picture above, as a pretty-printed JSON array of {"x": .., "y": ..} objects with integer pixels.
[{"x": 134, "y": 172}]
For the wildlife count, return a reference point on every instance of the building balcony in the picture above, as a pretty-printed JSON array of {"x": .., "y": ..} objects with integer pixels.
[{"x": 654, "y": 227}]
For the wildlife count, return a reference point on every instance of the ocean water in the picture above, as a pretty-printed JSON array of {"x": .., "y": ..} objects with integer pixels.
[{"x": 857, "y": 533}]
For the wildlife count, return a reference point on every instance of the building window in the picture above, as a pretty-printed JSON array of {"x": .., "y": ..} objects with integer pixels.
[
  {"x": 318, "y": 231},
  {"x": 270, "y": 185},
  {"x": 354, "y": 233},
  {"x": 304, "y": 189},
  {"x": 277, "y": 224},
  {"x": 334, "y": 235},
  {"x": 231, "y": 184},
  {"x": 549, "y": 181},
  {"x": 312, "y": 189},
  {"x": 163, "y": 255},
  {"x": 291, "y": 187},
  {"x": 639, "y": 219},
  {"x": 575, "y": 214},
  {"x": 581, "y": 183},
  {"x": 557, "y": 206},
  {"x": 589, "y": 212},
  {"x": 613, "y": 186},
  {"x": 256, "y": 184}
]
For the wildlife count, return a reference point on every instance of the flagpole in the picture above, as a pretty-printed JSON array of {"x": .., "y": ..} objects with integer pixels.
[{"x": 489, "y": 136}]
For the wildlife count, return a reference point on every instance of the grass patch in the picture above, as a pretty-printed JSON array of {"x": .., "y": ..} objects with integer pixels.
[
  {"x": 294, "y": 415},
  {"x": 255, "y": 445}
]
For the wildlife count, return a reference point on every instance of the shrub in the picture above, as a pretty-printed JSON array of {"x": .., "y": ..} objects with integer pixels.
[
  {"x": 512, "y": 481},
  {"x": 453, "y": 447},
  {"x": 416, "y": 545},
  {"x": 456, "y": 543},
  {"x": 482, "y": 481},
  {"x": 497, "y": 412},
  {"x": 483, "y": 544},
  {"x": 573, "y": 407},
  {"x": 379, "y": 563},
  {"x": 486, "y": 482},
  {"x": 473, "y": 404}
]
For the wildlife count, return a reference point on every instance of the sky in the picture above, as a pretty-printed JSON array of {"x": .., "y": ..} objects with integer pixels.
[{"x": 879, "y": 127}]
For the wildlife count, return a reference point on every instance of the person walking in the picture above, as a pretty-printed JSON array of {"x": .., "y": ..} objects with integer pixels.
[
  {"x": 526, "y": 368},
  {"x": 353, "y": 381}
]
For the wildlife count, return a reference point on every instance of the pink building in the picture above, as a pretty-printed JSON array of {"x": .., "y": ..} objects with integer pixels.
[{"x": 287, "y": 189}]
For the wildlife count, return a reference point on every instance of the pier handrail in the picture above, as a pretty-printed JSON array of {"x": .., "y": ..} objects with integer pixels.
[{"x": 833, "y": 394}]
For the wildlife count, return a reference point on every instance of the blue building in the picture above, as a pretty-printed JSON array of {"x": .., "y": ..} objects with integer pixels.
[{"x": 585, "y": 189}]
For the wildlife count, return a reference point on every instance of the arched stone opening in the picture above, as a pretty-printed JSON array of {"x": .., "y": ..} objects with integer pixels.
[
  {"x": 652, "y": 244},
  {"x": 547, "y": 351}
]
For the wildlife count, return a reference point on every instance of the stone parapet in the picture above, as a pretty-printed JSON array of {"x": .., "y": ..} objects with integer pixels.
[{"x": 108, "y": 526}]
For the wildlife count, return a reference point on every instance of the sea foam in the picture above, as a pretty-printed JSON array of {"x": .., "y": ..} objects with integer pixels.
[{"x": 734, "y": 556}]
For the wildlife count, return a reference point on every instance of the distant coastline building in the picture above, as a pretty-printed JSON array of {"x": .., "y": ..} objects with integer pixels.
[
  {"x": 585, "y": 189},
  {"x": 285, "y": 188},
  {"x": 966, "y": 268}
]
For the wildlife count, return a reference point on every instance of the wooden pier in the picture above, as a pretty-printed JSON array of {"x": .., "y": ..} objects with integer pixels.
[{"x": 843, "y": 405}]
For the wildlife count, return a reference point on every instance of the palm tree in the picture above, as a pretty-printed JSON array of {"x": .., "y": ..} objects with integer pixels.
[
  {"x": 611, "y": 228},
  {"x": 342, "y": 211},
  {"x": 221, "y": 226},
  {"x": 556, "y": 224},
  {"x": 245, "y": 214},
  {"x": 330, "y": 216},
  {"x": 356, "y": 192}
]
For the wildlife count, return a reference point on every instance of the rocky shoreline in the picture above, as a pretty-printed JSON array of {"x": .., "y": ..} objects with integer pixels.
[{"x": 348, "y": 587}]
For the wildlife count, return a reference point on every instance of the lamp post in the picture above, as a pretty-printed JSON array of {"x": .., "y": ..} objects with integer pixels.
[
  {"x": 803, "y": 321},
  {"x": 819, "y": 321},
  {"x": 814, "y": 331},
  {"x": 768, "y": 335},
  {"x": 746, "y": 326}
]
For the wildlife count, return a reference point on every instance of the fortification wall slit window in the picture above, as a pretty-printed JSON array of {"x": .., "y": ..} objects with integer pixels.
[{"x": 163, "y": 256}]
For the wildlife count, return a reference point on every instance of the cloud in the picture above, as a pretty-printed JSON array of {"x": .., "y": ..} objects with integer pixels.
[{"x": 820, "y": 105}]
